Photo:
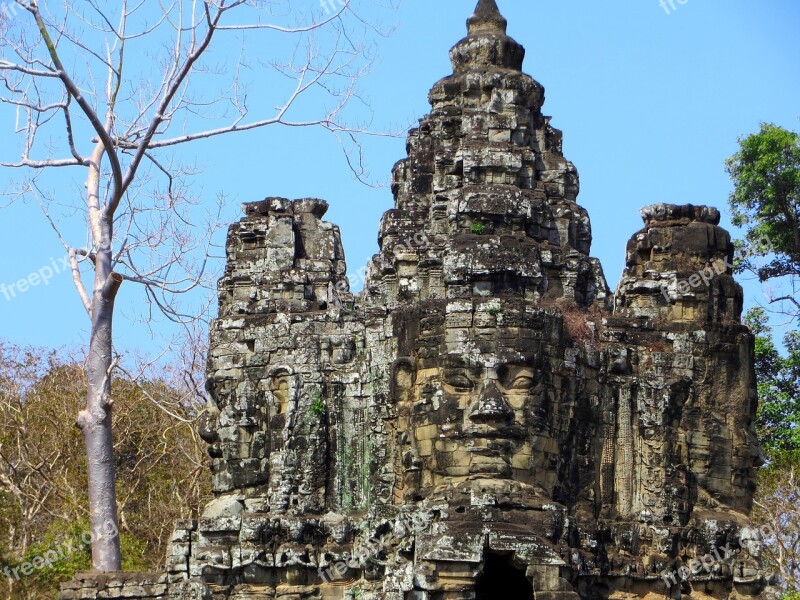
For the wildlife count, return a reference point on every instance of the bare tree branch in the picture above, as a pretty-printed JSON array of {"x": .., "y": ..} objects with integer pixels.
[
  {"x": 304, "y": 29},
  {"x": 75, "y": 92},
  {"x": 139, "y": 80}
]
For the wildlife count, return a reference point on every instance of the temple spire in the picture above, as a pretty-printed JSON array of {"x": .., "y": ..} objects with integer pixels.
[
  {"x": 487, "y": 18},
  {"x": 486, "y": 44}
]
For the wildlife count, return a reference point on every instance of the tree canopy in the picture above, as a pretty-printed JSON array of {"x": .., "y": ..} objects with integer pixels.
[
  {"x": 778, "y": 386},
  {"x": 766, "y": 203}
]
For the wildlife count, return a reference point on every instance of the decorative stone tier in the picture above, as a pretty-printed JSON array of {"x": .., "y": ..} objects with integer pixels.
[{"x": 679, "y": 268}]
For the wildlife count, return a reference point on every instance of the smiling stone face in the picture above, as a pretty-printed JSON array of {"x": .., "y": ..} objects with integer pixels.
[
  {"x": 478, "y": 390},
  {"x": 486, "y": 407}
]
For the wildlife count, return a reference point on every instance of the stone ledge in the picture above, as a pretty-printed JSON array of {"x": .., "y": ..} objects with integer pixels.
[
  {"x": 679, "y": 214},
  {"x": 134, "y": 586}
]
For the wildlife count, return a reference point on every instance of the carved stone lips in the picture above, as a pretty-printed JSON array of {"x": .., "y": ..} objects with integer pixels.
[{"x": 491, "y": 432}]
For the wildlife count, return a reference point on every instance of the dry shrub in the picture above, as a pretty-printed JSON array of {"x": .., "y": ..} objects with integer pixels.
[{"x": 576, "y": 320}]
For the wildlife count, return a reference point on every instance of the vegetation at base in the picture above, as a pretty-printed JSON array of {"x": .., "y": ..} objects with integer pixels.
[
  {"x": 777, "y": 504},
  {"x": 162, "y": 472}
]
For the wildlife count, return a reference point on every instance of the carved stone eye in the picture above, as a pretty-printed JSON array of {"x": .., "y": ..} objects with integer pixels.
[
  {"x": 459, "y": 380},
  {"x": 522, "y": 382},
  {"x": 516, "y": 377}
]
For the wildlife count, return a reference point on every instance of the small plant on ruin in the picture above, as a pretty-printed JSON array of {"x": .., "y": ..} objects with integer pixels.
[
  {"x": 494, "y": 308},
  {"x": 318, "y": 405},
  {"x": 478, "y": 228}
]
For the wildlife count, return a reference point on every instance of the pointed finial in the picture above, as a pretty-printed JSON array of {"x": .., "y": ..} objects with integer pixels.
[
  {"x": 487, "y": 18},
  {"x": 487, "y": 45}
]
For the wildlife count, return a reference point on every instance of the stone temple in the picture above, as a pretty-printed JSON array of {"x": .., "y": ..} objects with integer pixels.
[{"x": 485, "y": 419}]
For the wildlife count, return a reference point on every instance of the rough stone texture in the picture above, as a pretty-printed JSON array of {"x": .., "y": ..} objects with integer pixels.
[{"x": 485, "y": 415}]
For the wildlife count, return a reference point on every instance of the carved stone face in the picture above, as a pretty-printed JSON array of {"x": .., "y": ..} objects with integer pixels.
[
  {"x": 479, "y": 401},
  {"x": 482, "y": 408}
]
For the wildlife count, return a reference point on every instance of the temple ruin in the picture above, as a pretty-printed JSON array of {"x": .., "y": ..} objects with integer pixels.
[{"x": 486, "y": 419}]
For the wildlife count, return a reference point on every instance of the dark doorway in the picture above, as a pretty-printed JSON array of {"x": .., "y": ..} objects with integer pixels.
[{"x": 500, "y": 579}]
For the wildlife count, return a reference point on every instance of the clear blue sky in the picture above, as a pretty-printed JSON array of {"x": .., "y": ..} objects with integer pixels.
[{"x": 650, "y": 104}]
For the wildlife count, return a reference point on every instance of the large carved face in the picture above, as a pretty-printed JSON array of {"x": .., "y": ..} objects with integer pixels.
[
  {"x": 243, "y": 435},
  {"x": 479, "y": 399}
]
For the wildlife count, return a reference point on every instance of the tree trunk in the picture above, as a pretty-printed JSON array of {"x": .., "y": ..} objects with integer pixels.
[{"x": 95, "y": 421}]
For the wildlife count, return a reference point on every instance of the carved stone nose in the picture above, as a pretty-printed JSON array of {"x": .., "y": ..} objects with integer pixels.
[{"x": 491, "y": 406}]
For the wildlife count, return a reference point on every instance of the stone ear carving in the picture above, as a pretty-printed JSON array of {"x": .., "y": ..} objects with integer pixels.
[
  {"x": 280, "y": 371},
  {"x": 208, "y": 423},
  {"x": 280, "y": 383},
  {"x": 404, "y": 376}
]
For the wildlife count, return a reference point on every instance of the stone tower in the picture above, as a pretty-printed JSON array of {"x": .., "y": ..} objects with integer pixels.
[{"x": 485, "y": 419}]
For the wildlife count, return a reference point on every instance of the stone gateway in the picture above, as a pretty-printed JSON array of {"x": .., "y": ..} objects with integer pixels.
[{"x": 485, "y": 419}]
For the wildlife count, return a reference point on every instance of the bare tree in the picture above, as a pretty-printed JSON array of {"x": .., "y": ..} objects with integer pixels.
[
  {"x": 777, "y": 507},
  {"x": 111, "y": 86}
]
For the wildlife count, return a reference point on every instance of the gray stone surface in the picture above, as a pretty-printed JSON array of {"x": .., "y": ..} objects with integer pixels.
[{"x": 485, "y": 415}]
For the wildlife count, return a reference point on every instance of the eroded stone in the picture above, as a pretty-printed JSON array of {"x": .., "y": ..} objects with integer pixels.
[{"x": 484, "y": 415}]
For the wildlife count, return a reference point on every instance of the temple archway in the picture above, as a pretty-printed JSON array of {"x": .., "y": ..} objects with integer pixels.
[{"x": 500, "y": 578}]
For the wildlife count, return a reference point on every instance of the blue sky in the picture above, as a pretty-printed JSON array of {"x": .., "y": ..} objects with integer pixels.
[{"x": 650, "y": 103}]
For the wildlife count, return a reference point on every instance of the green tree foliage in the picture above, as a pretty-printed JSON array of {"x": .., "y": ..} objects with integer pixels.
[
  {"x": 766, "y": 200},
  {"x": 778, "y": 378},
  {"x": 777, "y": 501},
  {"x": 766, "y": 203},
  {"x": 161, "y": 471}
]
